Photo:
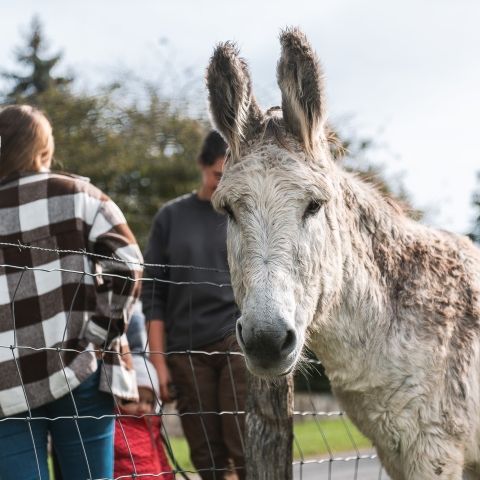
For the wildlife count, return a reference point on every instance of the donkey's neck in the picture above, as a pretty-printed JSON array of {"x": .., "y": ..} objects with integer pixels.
[
  {"x": 375, "y": 232},
  {"x": 403, "y": 284},
  {"x": 373, "y": 229}
]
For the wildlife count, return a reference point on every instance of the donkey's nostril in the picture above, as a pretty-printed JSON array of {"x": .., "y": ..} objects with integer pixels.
[{"x": 290, "y": 342}]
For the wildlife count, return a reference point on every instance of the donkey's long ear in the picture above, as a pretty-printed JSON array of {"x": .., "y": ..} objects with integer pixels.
[
  {"x": 301, "y": 81},
  {"x": 232, "y": 104}
]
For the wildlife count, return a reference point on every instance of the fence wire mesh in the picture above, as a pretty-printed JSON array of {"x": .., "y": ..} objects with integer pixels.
[{"x": 326, "y": 444}]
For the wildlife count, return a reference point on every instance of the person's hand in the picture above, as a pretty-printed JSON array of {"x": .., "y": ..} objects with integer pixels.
[{"x": 165, "y": 383}]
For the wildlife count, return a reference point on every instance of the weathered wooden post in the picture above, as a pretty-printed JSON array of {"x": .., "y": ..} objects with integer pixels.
[{"x": 269, "y": 429}]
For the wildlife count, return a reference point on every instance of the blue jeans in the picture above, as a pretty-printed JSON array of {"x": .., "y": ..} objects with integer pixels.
[{"x": 17, "y": 454}]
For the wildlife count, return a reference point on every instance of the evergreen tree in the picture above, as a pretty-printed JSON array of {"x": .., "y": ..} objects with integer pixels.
[{"x": 39, "y": 77}]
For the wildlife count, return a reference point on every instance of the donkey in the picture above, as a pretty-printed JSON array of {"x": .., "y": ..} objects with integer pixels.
[{"x": 319, "y": 257}]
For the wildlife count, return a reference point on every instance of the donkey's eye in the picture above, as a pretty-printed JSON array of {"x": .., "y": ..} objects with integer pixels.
[
  {"x": 229, "y": 212},
  {"x": 313, "y": 207}
]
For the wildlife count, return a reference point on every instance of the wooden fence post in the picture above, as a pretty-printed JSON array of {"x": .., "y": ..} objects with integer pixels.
[{"x": 269, "y": 429}]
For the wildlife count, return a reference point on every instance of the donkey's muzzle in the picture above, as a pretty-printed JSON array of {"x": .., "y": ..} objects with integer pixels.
[{"x": 267, "y": 347}]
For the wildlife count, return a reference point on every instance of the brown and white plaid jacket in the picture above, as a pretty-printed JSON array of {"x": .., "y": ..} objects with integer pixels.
[{"x": 57, "y": 305}]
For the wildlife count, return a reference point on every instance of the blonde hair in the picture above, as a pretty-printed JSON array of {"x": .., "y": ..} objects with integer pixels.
[{"x": 26, "y": 140}]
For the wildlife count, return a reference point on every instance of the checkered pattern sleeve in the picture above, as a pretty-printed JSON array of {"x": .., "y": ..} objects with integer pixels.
[{"x": 117, "y": 280}]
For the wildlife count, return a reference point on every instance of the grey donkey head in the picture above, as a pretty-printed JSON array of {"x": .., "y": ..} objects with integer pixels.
[{"x": 276, "y": 183}]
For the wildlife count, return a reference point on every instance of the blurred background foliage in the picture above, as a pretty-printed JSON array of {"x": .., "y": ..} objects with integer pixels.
[{"x": 140, "y": 149}]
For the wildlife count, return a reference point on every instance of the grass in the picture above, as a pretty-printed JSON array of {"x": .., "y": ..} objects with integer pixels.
[
  {"x": 313, "y": 438},
  {"x": 182, "y": 453},
  {"x": 324, "y": 436}
]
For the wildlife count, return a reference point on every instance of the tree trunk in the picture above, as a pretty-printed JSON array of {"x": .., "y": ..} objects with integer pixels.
[{"x": 269, "y": 429}]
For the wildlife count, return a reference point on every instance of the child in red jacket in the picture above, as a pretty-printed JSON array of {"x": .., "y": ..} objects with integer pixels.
[{"x": 138, "y": 442}]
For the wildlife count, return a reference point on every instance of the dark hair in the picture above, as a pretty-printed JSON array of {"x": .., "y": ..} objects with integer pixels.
[{"x": 213, "y": 148}]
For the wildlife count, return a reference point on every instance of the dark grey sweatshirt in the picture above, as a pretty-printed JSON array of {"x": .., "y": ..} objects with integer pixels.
[{"x": 188, "y": 232}]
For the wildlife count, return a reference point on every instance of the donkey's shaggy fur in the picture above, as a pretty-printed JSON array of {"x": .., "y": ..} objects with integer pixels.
[{"x": 392, "y": 308}]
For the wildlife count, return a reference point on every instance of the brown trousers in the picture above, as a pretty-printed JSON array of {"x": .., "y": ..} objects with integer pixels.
[{"x": 207, "y": 385}]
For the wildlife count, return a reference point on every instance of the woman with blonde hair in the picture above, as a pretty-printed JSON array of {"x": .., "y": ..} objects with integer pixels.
[{"x": 68, "y": 270}]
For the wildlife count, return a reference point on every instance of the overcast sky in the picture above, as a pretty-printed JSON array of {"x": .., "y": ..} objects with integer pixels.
[{"x": 406, "y": 73}]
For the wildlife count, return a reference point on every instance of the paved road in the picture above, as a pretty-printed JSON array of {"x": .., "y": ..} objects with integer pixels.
[{"x": 364, "y": 469}]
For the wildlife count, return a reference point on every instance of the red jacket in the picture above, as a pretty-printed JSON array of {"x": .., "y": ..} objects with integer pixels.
[{"x": 141, "y": 437}]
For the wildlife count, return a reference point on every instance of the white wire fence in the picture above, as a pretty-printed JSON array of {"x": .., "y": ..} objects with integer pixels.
[{"x": 326, "y": 445}]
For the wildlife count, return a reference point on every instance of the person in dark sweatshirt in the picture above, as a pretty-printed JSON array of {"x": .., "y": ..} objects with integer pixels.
[{"x": 192, "y": 310}]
